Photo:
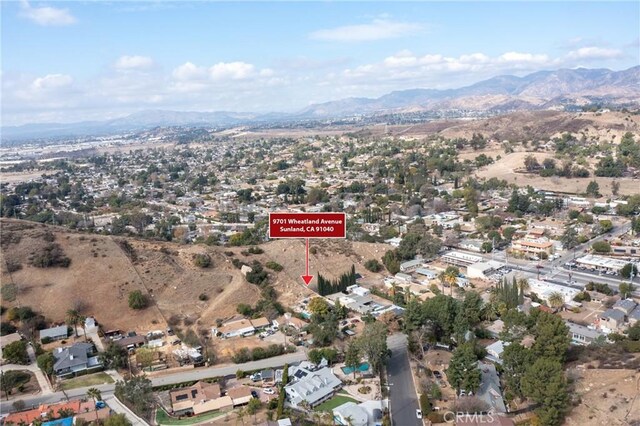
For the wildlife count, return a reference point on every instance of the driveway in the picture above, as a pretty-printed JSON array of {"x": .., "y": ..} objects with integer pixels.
[{"x": 404, "y": 401}]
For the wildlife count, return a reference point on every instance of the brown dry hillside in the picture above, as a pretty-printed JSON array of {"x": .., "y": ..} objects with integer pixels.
[
  {"x": 101, "y": 275},
  {"x": 529, "y": 125}
]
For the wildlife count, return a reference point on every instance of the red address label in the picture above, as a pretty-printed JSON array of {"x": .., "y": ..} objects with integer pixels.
[{"x": 307, "y": 225}]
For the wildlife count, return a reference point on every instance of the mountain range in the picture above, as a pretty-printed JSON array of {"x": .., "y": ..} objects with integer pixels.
[{"x": 537, "y": 91}]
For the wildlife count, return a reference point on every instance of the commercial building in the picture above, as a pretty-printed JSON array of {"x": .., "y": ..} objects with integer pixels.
[
  {"x": 460, "y": 259},
  {"x": 601, "y": 263}
]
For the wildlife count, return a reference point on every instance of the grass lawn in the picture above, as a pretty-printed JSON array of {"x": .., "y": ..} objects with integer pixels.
[
  {"x": 333, "y": 403},
  {"x": 88, "y": 380},
  {"x": 162, "y": 418}
]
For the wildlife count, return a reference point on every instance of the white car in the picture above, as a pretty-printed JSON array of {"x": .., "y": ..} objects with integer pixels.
[
  {"x": 419, "y": 414},
  {"x": 268, "y": 391}
]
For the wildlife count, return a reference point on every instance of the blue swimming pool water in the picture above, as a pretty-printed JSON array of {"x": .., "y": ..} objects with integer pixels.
[{"x": 362, "y": 368}]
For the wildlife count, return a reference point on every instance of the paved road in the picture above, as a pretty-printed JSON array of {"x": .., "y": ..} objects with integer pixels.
[
  {"x": 404, "y": 401},
  {"x": 195, "y": 374}
]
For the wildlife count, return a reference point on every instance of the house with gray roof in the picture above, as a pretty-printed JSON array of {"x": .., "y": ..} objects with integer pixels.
[
  {"x": 312, "y": 386},
  {"x": 581, "y": 335},
  {"x": 634, "y": 316},
  {"x": 75, "y": 359},
  {"x": 489, "y": 390},
  {"x": 55, "y": 333},
  {"x": 625, "y": 305},
  {"x": 611, "y": 320}
]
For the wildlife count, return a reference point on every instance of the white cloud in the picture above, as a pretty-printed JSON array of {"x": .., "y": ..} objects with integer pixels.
[
  {"x": 519, "y": 57},
  {"x": 46, "y": 16},
  {"x": 231, "y": 71},
  {"x": 133, "y": 62},
  {"x": 593, "y": 52},
  {"x": 378, "y": 29},
  {"x": 52, "y": 82},
  {"x": 189, "y": 71}
]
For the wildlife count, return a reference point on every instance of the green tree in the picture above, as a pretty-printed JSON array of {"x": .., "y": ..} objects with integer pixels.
[
  {"x": 352, "y": 357},
  {"x": 373, "y": 265},
  {"x": 626, "y": 289},
  {"x": 515, "y": 360},
  {"x": 117, "y": 420},
  {"x": 145, "y": 357},
  {"x": 556, "y": 300},
  {"x": 253, "y": 407},
  {"x": 569, "y": 238},
  {"x": 45, "y": 362},
  {"x": 471, "y": 200},
  {"x": 8, "y": 381},
  {"x": 627, "y": 270},
  {"x": 593, "y": 189},
  {"x": 373, "y": 343},
  {"x": 552, "y": 337},
  {"x": 137, "y": 393},
  {"x": 137, "y": 300},
  {"x": 114, "y": 357},
  {"x": 96, "y": 395},
  {"x": 463, "y": 372},
  {"x": 318, "y": 306},
  {"x": 601, "y": 247},
  {"x": 16, "y": 353},
  {"x": 544, "y": 382}
]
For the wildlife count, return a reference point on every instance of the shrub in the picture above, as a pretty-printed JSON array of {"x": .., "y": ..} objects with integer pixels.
[
  {"x": 255, "y": 250},
  {"x": 46, "y": 340},
  {"x": 202, "y": 260},
  {"x": 373, "y": 265},
  {"x": 137, "y": 300},
  {"x": 425, "y": 405},
  {"x": 274, "y": 266},
  {"x": 203, "y": 297},
  {"x": 50, "y": 255}
]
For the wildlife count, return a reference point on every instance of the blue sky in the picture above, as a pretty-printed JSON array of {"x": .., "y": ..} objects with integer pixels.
[{"x": 71, "y": 61}]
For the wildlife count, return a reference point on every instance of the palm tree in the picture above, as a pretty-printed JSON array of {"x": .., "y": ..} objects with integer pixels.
[
  {"x": 443, "y": 279},
  {"x": 556, "y": 300},
  {"x": 451, "y": 277},
  {"x": 73, "y": 317},
  {"x": 96, "y": 396},
  {"x": 523, "y": 283},
  {"x": 82, "y": 320}
]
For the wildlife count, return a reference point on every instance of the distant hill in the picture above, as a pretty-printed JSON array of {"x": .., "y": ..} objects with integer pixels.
[{"x": 538, "y": 91}]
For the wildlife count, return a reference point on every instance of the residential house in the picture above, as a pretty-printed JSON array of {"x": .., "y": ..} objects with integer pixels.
[
  {"x": 471, "y": 245},
  {"x": 240, "y": 395},
  {"x": 611, "y": 321},
  {"x": 312, "y": 386},
  {"x": 429, "y": 274},
  {"x": 489, "y": 390},
  {"x": 184, "y": 400},
  {"x": 75, "y": 359},
  {"x": 495, "y": 350},
  {"x": 410, "y": 265},
  {"x": 131, "y": 342},
  {"x": 634, "y": 316},
  {"x": 457, "y": 258},
  {"x": 625, "y": 306},
  {"x": 294, "y": 322},
  {"x": 581, "y": 335},
  {"x": 268, "y": 376},
  {"x": 367, "y": 413},
  {"x": 55, "y": 333},
  {"x": 241, "y": 327}
]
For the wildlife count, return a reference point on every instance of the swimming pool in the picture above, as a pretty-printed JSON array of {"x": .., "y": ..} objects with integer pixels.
[{"x": 361, "y": 368}]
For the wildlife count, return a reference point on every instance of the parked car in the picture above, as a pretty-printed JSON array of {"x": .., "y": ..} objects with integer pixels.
[
  {"x": 268, "y": 391},
  {"x": 437, "y": 374},
  {"x": 254, "y": 394},
  {"x": 419, "y": 413},
  {"x": 256, "y": 377}
]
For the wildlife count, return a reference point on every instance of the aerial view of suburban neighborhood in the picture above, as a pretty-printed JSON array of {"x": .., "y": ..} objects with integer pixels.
[{"x": 320, "y": 213}]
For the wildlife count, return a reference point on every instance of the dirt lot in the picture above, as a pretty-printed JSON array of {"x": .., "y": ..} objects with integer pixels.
[
  {"x": 504, "y": 169},
  {"x": 608, "y": 397},
  {"x": 101, "y": 276}
]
